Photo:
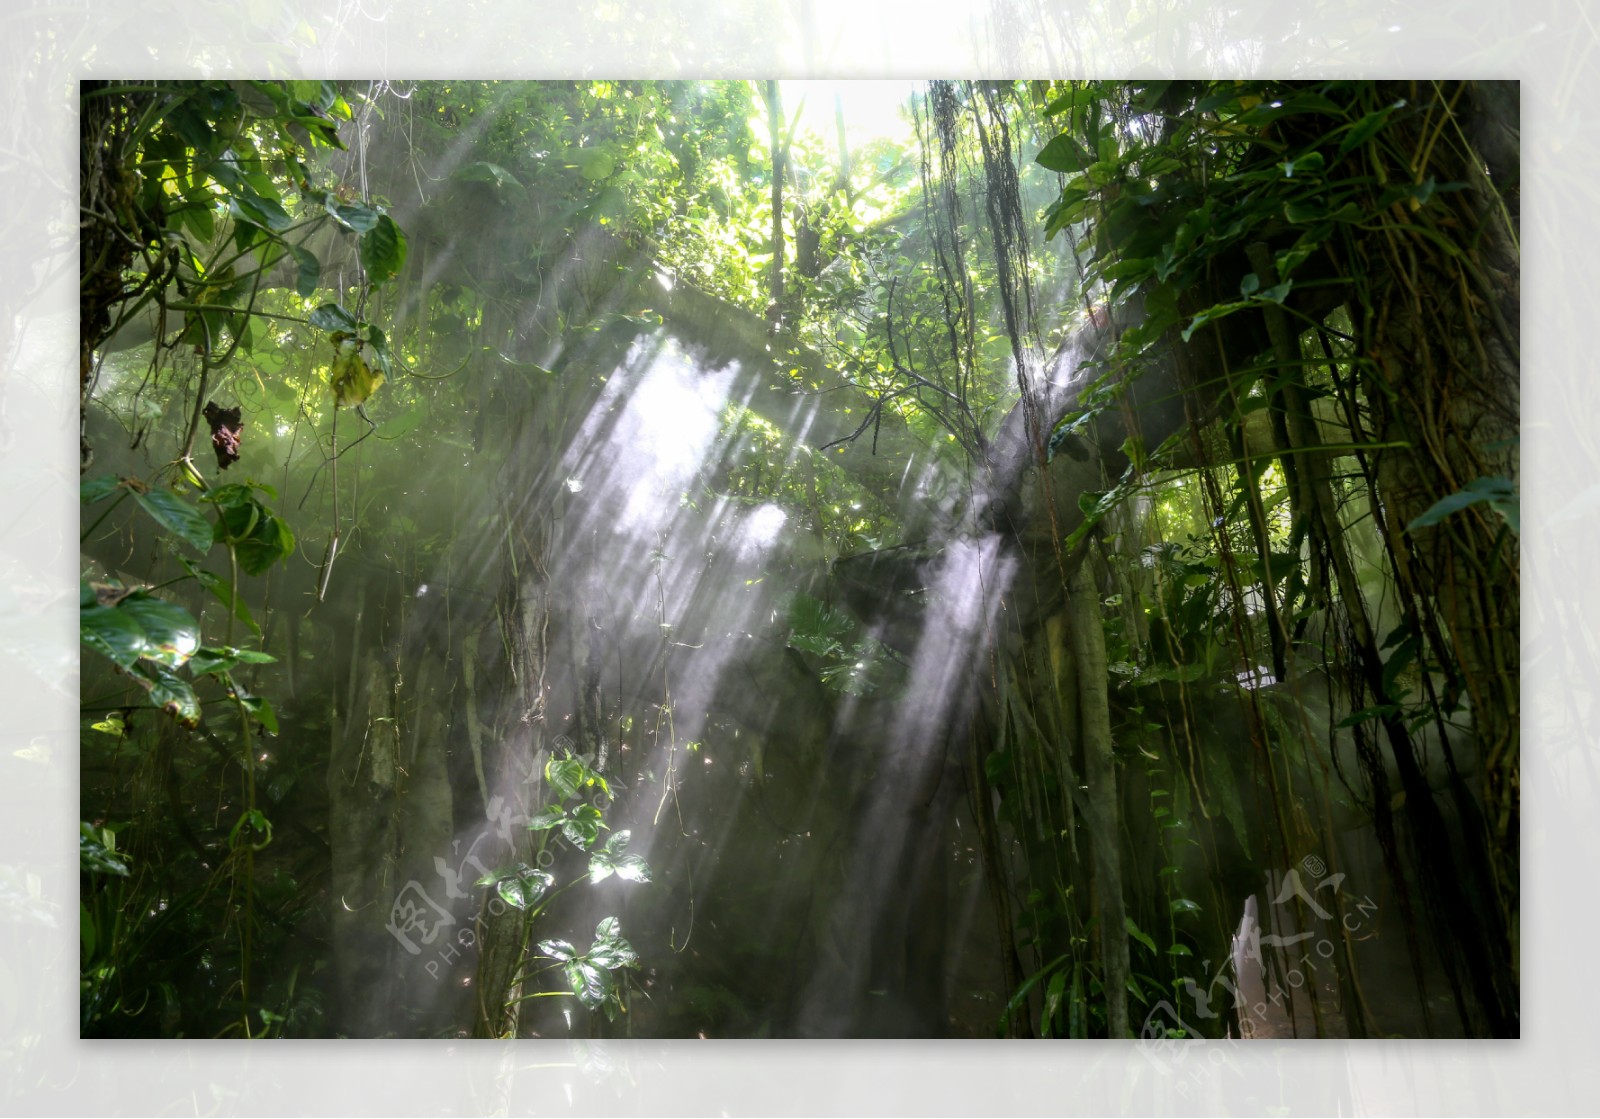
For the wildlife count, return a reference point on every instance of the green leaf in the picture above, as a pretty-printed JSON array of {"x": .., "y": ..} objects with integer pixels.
[
  {"x": 565, "y": 776},
  {"x": 595, "y": 164},
  {"x": 169, "y": 692},
  {"x": 94, "y": 857},
  {"x": 583, "y": 826},
  {"x": 91, "y": 490},
  {"x": 600, "y": 868},
  {"x": 308, "y": 272},
  {"x": 1212, "y": 314},
  {"x": 557, "y": 949},
  {"x": 618, "y": 843},
  {"x": 208, "y": 660},
  {"x": 1499, "y": 492},
  {"x": 258, "y": 536},
  {"x": 383, "y": 251},
  {"x": 511, "y": 892},
  {"x": 1306, "y": 164},
  {"x": 263, "y": 212},
  {"x": 1135, "y": 932},
  {"x": 550, "y": 817},
  {"x": 1184, "y": 905},
  {"x": 113, "y": 634},
  {"x": 1367, "y": 127},
  {"x": 1064, "y": 154},
  {"x": 332, "y": 317},
  {"x": 535, "y": 883},
  {"x": 171, "y": 633},
  {"x": 258, "y": 709},
  {"x": 588, "y": 982},
  {"x": 633, "y": 868},
  {"x": 1179, "y": 950},
  {"x": 353, "y": 215},
  {"x": 177, "y": 516},
  {"x": 1381, "y": 711}
]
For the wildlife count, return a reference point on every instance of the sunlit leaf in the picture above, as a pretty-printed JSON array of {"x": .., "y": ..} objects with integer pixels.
[
  {"x": 633, "y": 868},
  {"x": 591, "y": 984},
  {"x": 557, "y": 949},
  {"x": 171, "y": 632},
  {"x": 548, "y": 818}
]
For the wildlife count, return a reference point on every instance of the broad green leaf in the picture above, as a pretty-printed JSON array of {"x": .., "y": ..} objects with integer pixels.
[
  {"x": 511, "y": 891},
  {"x": 550, "y": 817},
  {"x": 1135, "y": 932},
  {"x": 91, "y": 490},
  {"x": 352, "y": 215},
  {"x": 536, "y": 883},
  {"x": 565, "y": 776},
  {"x": 171, "y": 633},
  {"x": 557, "y": 949},
  {"x": 171, "y": 693},
  {"x": 1184, "y": 905},
  {"x": 260, "y": 710},
  {"x": 1064, "y": 154},
  {"x": 332, "y": 317},
  {"x": 113, "y": 634},
  {"x": 308, "y": 272},
  {"x": 383, "y": 251},
  {"x": 600, "y": 868},
  {"x": 208, "y": 660},
  {"x": 633, "y": 868},
  {"x": 589, "y": 983},
  {"x": 583, "y": 827},
  {"x": 595, "y": 164},
  {"x": 258, "y": 536},
  {"x": 264, "y": 212},
  {"x": 177, "y": 516}
]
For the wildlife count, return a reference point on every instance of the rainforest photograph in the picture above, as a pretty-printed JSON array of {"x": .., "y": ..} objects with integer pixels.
[{"x": 825, "y": 559}]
